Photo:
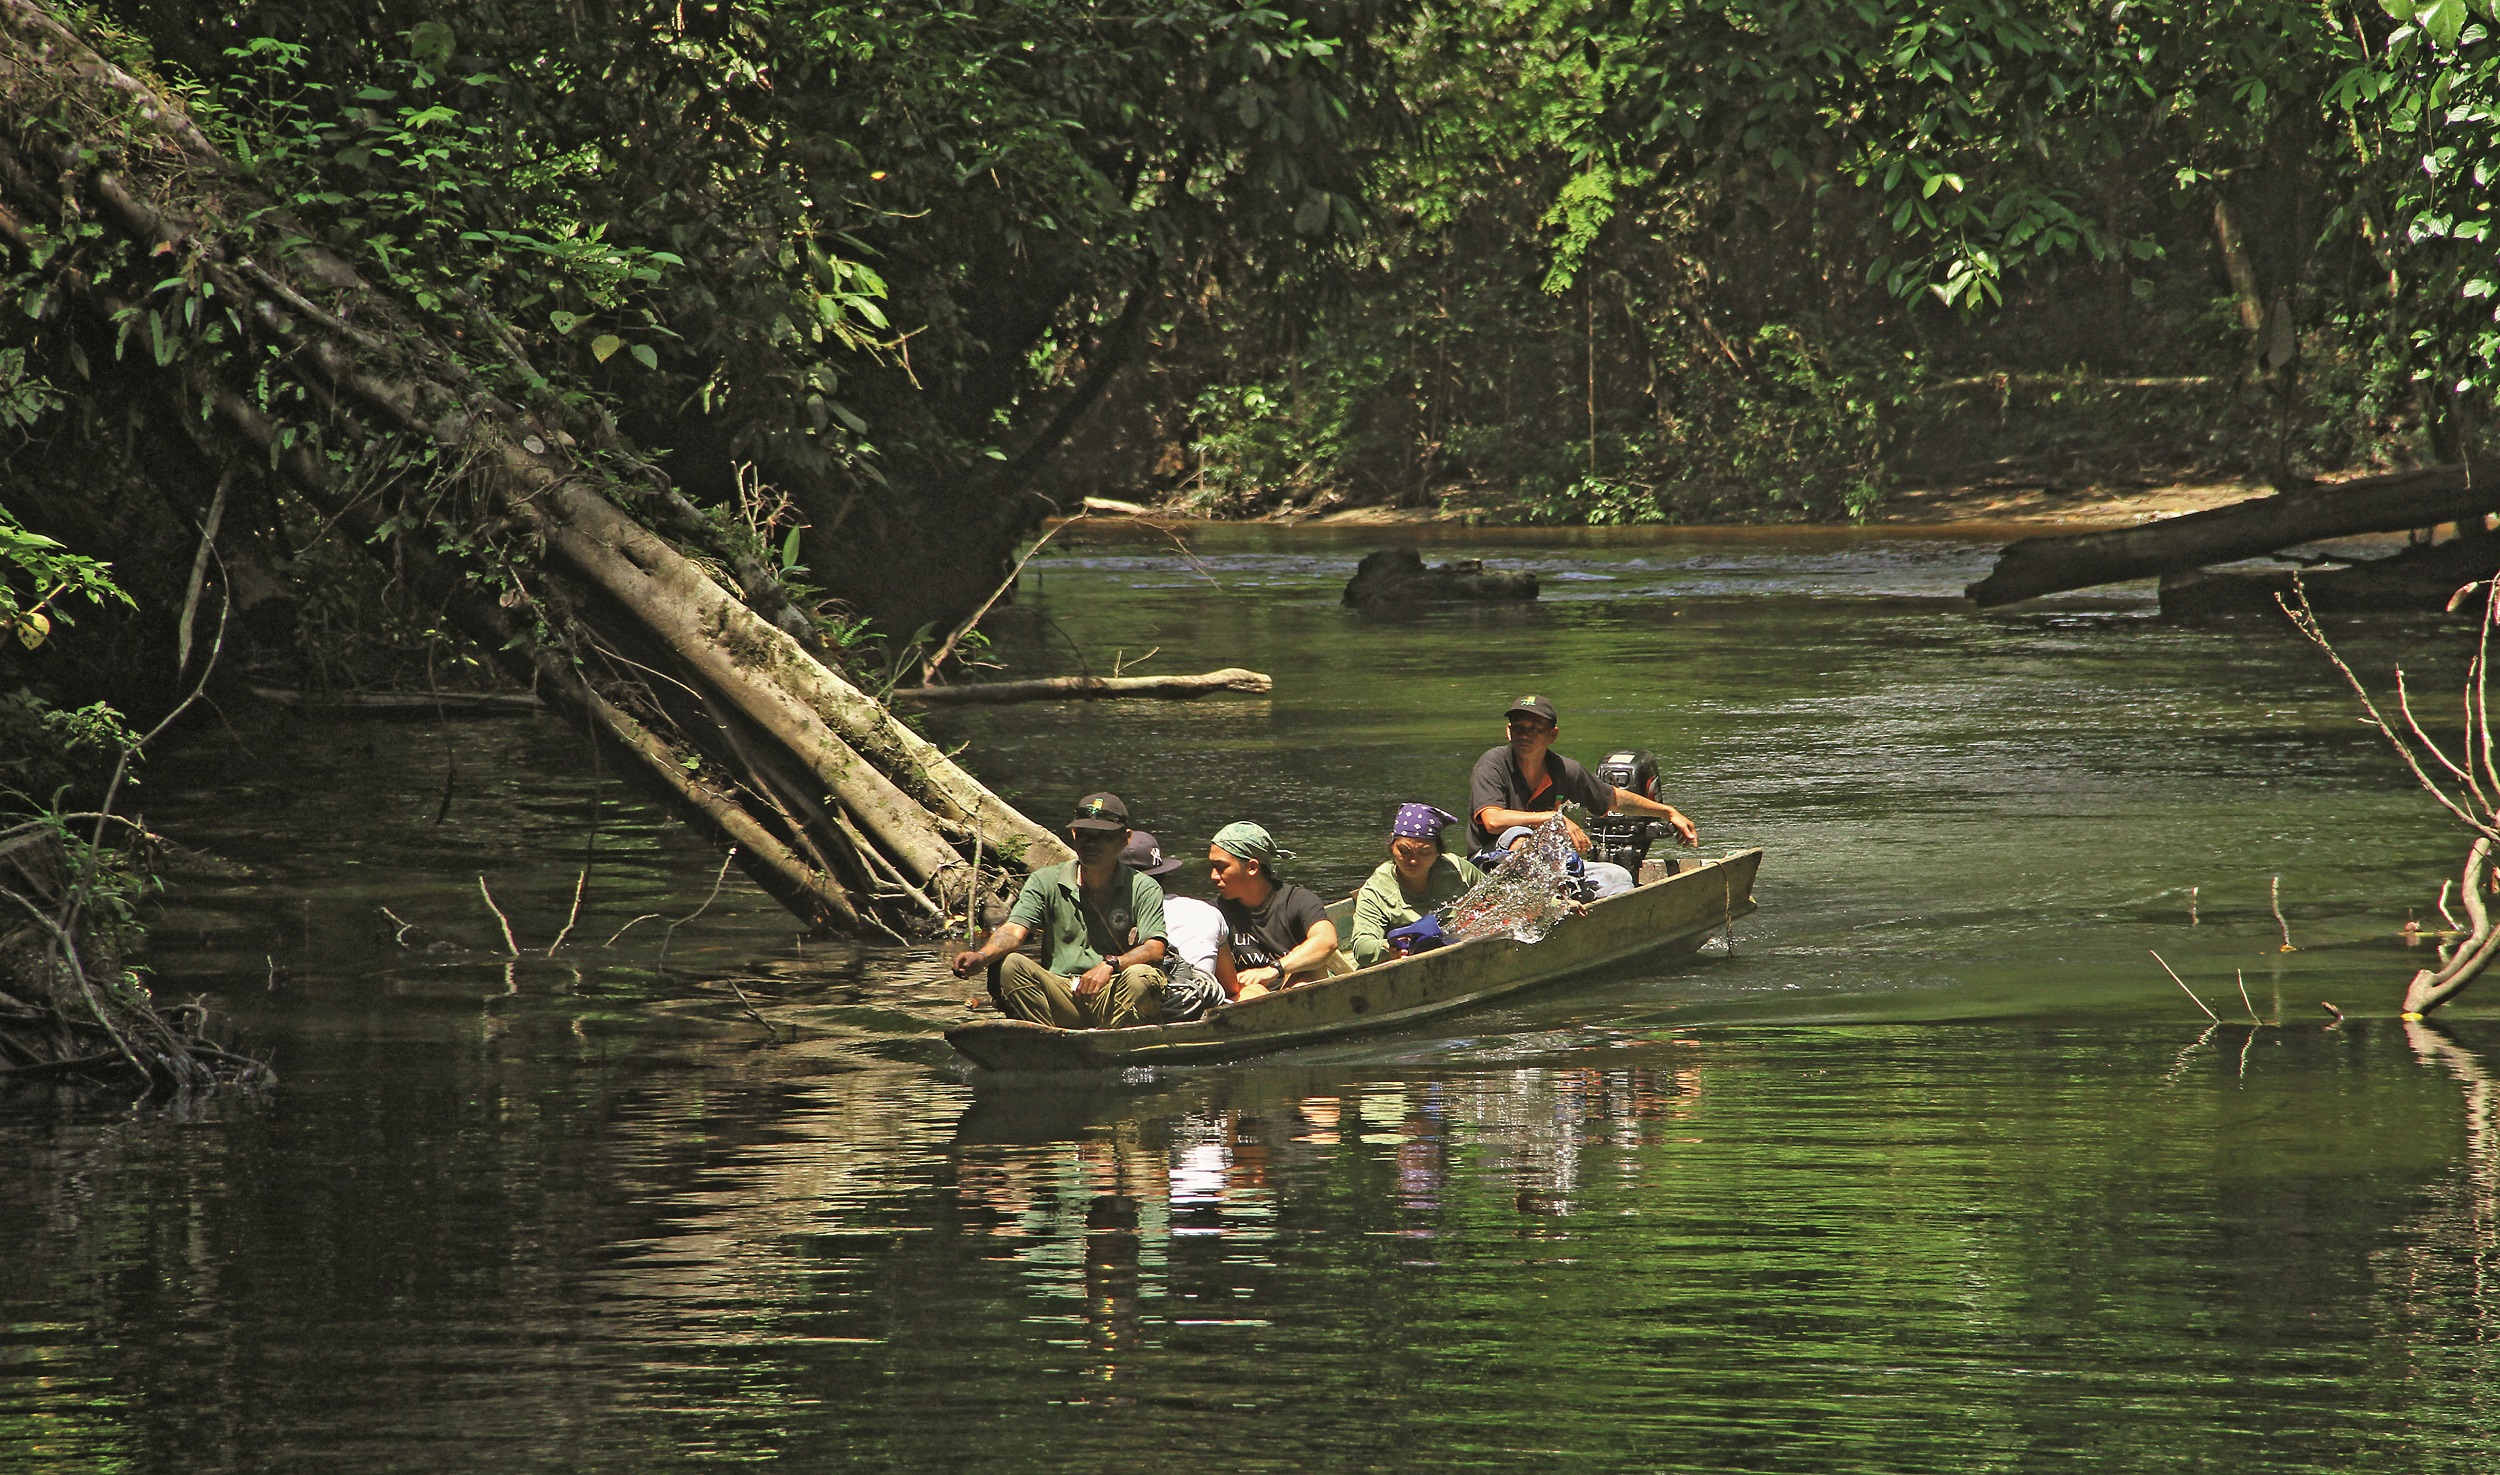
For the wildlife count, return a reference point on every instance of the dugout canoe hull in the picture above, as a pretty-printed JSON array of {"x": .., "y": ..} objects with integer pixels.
[{"x": 1667, "y": 916}]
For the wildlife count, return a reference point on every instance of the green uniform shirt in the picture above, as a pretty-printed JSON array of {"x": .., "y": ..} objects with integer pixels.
[
  {"x": 1075, "y": 936},
  {"x": 1383, "y": 904}
]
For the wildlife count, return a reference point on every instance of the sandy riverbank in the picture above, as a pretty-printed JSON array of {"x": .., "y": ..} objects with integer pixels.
[{"x": 1981, "y": 511}]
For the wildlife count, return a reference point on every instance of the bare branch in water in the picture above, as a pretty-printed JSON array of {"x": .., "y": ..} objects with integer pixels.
[
  {"x": 2305, "y": 620},
  {"x": 2183, "y": 988},
  {"x": 670, "y": 936},
  {"x": 628, "y": 927},
  {"x": 575, "y": 915},
  {"x": 510, "y": 947},
  {"x": 2461, "y": 960}
]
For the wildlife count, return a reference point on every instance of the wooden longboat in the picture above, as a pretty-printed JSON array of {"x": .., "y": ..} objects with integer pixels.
[{"x": 1671, "y": 915}]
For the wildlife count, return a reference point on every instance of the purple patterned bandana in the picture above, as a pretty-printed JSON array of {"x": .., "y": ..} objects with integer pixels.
[{"x": 1422, "y": 822}]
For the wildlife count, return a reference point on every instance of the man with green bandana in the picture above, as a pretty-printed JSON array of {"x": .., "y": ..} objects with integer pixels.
[
  {"x": 1280, "y": 934},
  {"x": 1102, "y": 934}
]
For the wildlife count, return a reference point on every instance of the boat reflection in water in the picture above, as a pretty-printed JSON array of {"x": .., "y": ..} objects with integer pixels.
[{"x": 1110, "y": 1206}]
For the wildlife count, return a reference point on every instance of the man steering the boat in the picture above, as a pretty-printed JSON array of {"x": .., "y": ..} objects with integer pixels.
[
  {"x": 1102, "y": 927},
  {"x": 1521, "y": 782}
]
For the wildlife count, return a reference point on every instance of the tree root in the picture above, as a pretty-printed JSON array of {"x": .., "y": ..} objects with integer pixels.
[{"x": 62, "y": 993}]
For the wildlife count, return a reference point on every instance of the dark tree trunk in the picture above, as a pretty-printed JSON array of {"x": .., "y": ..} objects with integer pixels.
[{"x": 2261, "y": 525}]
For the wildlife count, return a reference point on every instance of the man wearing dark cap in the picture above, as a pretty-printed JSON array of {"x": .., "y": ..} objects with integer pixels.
[
  {"x": 1102, "y": 933},
  {"x": 1193, "y": 933},
  {"x": 1524, "y": 780}
]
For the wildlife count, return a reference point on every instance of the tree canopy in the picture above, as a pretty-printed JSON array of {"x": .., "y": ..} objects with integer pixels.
[{"x": 1743, "y": 257}]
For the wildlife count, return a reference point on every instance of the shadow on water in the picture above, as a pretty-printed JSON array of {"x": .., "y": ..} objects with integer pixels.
[{"x": 1932, "y": 1170}]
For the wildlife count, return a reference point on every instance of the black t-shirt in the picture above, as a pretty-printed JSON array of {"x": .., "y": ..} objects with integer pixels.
[
  {"x": 1264, "y": 933},
  {"x": 1498, "y": 784}
]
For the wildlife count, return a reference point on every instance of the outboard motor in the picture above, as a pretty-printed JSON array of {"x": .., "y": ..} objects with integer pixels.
[{"x": 1625, "y": 839}]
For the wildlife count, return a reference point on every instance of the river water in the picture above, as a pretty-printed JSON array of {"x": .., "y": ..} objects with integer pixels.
[{"x": 1930, "y": 1167}]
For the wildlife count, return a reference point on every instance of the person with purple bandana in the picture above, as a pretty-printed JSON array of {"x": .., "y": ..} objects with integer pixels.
[{"x": 1416, "y": 878}]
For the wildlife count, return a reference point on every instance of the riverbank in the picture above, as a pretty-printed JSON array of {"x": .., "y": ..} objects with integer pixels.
[{"x": 1982, "y": 509}]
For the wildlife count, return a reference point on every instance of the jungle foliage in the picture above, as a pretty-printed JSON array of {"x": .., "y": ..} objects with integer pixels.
[
  {"x": 865, "y": 250},
  {"x": 1760, "y": 258},
  {"x": 852, "y": 272}
]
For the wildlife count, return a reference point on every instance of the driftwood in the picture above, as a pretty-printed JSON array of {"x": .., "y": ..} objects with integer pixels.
[
  {"x": 1085, "y": 688},
  {"x": 2423, "y": 577},
  {"x": 67, "y": 1006},
  {"x": 1393, "y": 577},
  {"x": 2465, "y": 782},
  {"x": 715, "y": 696},
  {"x": 2250, "y": 529}
]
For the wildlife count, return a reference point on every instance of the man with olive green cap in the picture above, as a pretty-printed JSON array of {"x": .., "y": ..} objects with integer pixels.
[
  {"x": 1281, "y": 934},
  {"x": 1102, "y": 927}
]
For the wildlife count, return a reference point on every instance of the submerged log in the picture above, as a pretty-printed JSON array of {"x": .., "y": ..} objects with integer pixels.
[
  {"x": 1397, "y": 576},
  {"x": 1085, "y": 688},
  {"x": 403, "y": 703},
  {"x": 449, "y": 456},
  {"x": 2424, "y": 577},
  {"x": 2372, "y": 504}
]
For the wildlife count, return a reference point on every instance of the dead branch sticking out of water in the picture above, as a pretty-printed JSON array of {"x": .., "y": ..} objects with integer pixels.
[
  {"x": 2467, "y": 786},
  {"x": 2183, "y": 988},
  {"x": 67, "y": 1006}
]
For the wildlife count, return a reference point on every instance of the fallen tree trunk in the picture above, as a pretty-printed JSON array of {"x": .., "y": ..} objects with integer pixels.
[
  {"x": 1085, "y": 688},
  {"x": 528, "y": 520},
  {"x": 2261, "y": 525},
  {"x": 407, "y": 703},
  {"x": 2425, "y": 576}
]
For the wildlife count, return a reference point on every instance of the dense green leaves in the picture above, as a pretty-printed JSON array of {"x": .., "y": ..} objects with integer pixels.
[
  {"x": 1655, "y": 257},
  {"x": 1727, "y": 201}
]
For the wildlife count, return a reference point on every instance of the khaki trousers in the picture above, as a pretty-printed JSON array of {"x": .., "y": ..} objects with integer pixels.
[{"x": 1027, "y": 990}]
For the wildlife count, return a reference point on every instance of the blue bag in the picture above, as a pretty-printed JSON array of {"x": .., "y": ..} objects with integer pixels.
[{"x": 1422, "y": 935}]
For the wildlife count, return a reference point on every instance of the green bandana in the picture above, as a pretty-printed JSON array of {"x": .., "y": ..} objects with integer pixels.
[{"x": 1251, "y": 842}]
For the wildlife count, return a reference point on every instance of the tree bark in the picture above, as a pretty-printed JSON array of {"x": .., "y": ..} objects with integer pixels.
[
  {"x": 724, "y": 711},
  {"x": 2235, "y": 263},
  {"x": 2425, "y": 576},
  {"x": 2431, "y": 987},
  {"x": 2371, "y": 504},
  {"x": 1084, "y": 688}
]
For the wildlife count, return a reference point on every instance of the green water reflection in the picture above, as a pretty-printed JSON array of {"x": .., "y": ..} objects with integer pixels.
[{"x": 1933, "y": 1170}]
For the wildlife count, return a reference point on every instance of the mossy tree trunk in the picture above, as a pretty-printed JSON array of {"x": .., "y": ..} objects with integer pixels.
[{"x": 542, "y": 534}]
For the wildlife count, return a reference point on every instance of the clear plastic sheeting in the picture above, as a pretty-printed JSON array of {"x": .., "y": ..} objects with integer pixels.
[{"x": 1524, "y": 897}]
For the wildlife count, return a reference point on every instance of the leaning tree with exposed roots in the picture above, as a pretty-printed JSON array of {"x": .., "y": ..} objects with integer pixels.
[
  {"x": 539, "y": 531},
  {"x": 2466, "y": 784}
]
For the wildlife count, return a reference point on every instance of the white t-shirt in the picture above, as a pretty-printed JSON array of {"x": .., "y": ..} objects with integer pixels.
[{"x": 1194, "y": 929}]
